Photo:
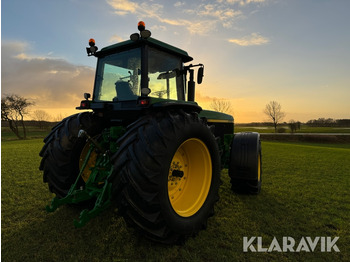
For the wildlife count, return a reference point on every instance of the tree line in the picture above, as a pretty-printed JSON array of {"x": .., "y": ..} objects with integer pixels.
[
  {"x": 15, "y": 107},
  {"x": 328, "y": 122},
  {"x": 274, "y": 111}
]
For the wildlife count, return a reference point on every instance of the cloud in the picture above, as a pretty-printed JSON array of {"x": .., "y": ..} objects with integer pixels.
[
  {"x": 197, "y": 18},
  {"x": 242, "y": 2},
  {"x": 123, "y": 7},
  {"x": 144, "y": 10},
  {"x": 251, "y": 40},
  {"x": 220, "y": 14},
  {"x": 200, "y": 19},
  {"x": 179, "y": 4},
  {"x": 115, "y": 38},
  {"x": 254, "y": 1},
  {"x": 49, "y": 82}
]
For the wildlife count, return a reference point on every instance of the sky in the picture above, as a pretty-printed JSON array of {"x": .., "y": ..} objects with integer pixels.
[{"x": 295, "y": 52}]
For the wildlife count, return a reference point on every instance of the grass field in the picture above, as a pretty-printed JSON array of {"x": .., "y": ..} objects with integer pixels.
[{"x": 305, "y": 192}]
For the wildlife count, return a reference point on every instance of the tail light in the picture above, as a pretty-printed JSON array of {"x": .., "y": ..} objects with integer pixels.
[
  {"x": 85, "y": 104},
  {"x": 143, "y": 101}
]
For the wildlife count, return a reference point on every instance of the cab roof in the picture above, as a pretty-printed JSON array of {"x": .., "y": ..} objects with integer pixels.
[{"x": 125, "y": 45}]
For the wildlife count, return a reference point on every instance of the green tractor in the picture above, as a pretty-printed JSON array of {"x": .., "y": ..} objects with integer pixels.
[{"x": 145, "y": 147}]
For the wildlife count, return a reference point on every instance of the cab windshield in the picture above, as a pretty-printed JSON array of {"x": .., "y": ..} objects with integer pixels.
[{"x": 118, "y": 76}]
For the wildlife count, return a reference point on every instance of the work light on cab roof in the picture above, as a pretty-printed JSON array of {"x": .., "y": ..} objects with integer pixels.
[{"x": 144, "y": 34}]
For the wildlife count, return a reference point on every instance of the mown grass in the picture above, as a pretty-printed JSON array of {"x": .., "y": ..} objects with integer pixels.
[{"x": 305, "y": 193}]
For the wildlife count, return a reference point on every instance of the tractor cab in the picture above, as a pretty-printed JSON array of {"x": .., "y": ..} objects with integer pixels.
[{"x": 141, "y": 69}]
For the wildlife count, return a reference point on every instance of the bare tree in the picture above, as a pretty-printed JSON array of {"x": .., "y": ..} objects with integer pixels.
[
  {"x": 58, "y": 118},
  {"x": 292, "y": 125},
  {"x": 13, "y": 109},
  {"x": 222, "y": 106},
  {"x": 41, "y": 117},
  {"x": 274, "y": 111}
]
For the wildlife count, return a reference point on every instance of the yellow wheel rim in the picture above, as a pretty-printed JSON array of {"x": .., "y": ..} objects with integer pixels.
[
  {"x": 90, "y": 164},
  {"x": 189, "y": 179}
]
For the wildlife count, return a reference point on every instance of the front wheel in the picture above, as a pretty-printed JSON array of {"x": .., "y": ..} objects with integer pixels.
[
  {"x": 167, "y": 175},
  {"x": 63, "y": 151}
]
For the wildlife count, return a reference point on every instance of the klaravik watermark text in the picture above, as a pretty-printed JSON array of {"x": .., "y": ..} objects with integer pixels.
[{"x": 289, "y": 244}]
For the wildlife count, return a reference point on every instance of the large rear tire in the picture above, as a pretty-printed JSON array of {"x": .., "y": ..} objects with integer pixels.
[
  {"x": 245, "y": 169},
  {"x": 167, "y": 175},
  {"x": 62, "y": 151}
]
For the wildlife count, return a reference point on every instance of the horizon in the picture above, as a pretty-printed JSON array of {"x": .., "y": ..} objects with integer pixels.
[
  {"x": 53, "y": 119},
  {"x": 254, "y": 51}
]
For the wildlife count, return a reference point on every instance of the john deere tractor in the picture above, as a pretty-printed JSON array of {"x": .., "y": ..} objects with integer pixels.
[{"x": 145, "y": 147}]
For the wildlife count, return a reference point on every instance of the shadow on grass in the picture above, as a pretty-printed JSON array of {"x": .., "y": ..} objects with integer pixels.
[{"x": 53, "y": 237}]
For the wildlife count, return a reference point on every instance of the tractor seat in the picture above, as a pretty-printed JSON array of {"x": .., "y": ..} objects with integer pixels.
[{"x": 124, "y": 92}]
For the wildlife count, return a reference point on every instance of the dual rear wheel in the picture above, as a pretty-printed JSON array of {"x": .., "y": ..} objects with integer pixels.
[{"x": 245, "y": 168}]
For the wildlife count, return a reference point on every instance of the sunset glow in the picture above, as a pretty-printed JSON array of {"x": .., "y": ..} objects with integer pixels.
[{"x": 254, "y": 51}]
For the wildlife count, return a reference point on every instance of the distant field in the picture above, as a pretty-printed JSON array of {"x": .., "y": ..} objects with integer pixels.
[
  {"x": 305, "y": 192},
  {"x": 304, "y": 129},
  {"x": 35, "y": 132},
  {"x": 32, "y": 132}
]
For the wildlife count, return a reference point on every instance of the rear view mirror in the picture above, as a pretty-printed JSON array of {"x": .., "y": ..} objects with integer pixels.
[{"x": 200, "y": 75}]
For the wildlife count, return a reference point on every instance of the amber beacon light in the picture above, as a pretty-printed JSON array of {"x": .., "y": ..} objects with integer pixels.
[
  {"x": 92, "y": 49},
  {"x": 141, "y": 26}
]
